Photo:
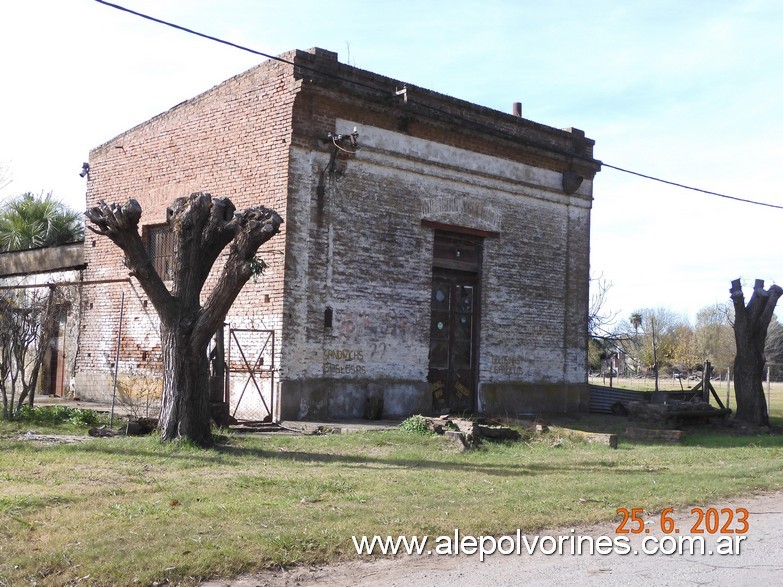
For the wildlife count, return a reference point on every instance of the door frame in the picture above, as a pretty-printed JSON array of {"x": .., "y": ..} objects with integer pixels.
[
  {"x": 449, "y": 264},
  {"x": 55, "y": 375}
]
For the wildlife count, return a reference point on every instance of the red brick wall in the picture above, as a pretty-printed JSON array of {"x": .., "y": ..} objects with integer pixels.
[{"x": 231, "y": 141}]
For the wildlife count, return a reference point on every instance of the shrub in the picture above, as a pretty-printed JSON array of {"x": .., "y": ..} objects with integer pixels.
[
  {"x": 140, "y": 394},
  {"x": 416, "y": 424},
  {"x": 53, "y": 415}
]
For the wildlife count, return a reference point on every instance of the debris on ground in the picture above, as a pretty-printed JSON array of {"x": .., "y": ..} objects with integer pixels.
[
  {"x": 671, "y": 436},
  {"x": 102, "y": 432},
  {"x": 465, "y": 433},
  {"x": 690, "y": 412},
  {"x": 609, "y": 440},
  {"x": 141, "y": 426}
]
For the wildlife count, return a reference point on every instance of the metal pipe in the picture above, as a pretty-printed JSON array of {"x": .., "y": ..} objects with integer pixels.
[
  {"x": 64, "y": 283},
  {"x": 117, "y": 360}
]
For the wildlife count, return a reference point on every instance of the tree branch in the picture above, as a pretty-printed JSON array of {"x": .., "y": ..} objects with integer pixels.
[
  {"x": 738, "y": 299},
  {"x": 757, "y": 302},
  {"x": 208, "y": 226},
  {"x": 187, "y": 217},
  {"x": 120, "y": 225},
  {"x": 220, "y": 229},
  {"x": 255, "y": 226},
  {"x": 773, "y": 295}
]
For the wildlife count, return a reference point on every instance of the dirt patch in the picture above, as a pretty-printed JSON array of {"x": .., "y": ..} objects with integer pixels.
[{"x": 50, "y": 439}]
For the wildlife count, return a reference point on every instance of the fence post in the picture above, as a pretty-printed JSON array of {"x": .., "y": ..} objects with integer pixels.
[
  {"x": 705, "y": 382},
  {"x": 728, "y": 386},
  {"x": 117, "y": 361},
  {"x": 769, "y": 390}
]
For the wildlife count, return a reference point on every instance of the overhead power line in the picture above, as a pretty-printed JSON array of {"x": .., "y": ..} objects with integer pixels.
[
  {"x": 687, "y": 187},
  {"x": 230, "y": 44},
  {"x": 191, "y": 31},
  {"x": 451, "y": 115}
]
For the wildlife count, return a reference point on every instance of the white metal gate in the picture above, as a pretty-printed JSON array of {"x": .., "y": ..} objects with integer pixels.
[{"x": 251, "y": 372}]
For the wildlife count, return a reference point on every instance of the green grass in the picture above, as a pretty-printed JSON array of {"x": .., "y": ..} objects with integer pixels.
[{"x": 133, "y": 511}]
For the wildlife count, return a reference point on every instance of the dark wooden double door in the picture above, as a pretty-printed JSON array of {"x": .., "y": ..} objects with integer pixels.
[{"x": 453, "y": 341}]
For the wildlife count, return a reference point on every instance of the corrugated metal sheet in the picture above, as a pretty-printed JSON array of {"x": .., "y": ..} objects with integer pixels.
[{"x": 603, "y": 398}]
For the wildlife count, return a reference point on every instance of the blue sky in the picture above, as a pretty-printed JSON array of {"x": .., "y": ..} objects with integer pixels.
[{"x": 689, "y": 91}]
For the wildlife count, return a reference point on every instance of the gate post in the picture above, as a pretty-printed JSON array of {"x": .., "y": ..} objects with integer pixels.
[
  {"x": 218, "y": 401},
  {"x": 705, "y": 381}
]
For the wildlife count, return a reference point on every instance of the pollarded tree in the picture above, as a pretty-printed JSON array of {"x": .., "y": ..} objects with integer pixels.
[
  {"x": 202, "y": 227},
  {"x": 750, "y": 331}
]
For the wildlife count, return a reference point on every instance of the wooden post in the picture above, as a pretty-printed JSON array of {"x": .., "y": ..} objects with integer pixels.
[
  {"x": 705, "y": 379},
  {"x": 711, "y": 388},
  {"x": 769, "y": 390},
  {"x": 611, "y": 369},
  {"x": 728, "y": 387}
]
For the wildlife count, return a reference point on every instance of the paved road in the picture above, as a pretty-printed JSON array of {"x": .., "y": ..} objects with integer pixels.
[{"x": 760, "y": 561}]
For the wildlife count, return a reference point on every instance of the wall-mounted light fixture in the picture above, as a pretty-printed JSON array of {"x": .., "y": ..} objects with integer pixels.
[
  {"x": 339, "y": 139},
  {"x": 571, "y": 182},
  {"x": 85, "y": 170}
]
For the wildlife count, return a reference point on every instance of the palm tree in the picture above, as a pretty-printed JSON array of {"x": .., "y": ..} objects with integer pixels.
[
  {"x": 636, "y": 321},
  {"x": 28, "y": 222}
]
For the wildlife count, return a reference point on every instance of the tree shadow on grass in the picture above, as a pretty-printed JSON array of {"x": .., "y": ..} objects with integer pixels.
[
  {"x": 228, "y": 456},
  {"x": 709, "y": 435},
  {"x": 231, "y": 455},
  {"x": 540, "y": 462}
]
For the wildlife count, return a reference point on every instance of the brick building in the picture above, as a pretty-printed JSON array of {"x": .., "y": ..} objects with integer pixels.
[
  {"x": 33, "y": 277},
  {"x": 434, "y": 256}
]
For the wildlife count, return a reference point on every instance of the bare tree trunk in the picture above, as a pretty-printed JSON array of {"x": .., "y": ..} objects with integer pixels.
[
  {"x": 185, "y": 401},
  {"x": 750, "y": 332},
  {"x": 654, "y": 326},
  {"x": 202, "y": 228},
  {"x": 749, "y": 387}
]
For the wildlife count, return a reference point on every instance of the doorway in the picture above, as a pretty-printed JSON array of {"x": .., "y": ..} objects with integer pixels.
[
  {"x": 57, "y": 356},
  {"x": 454, "y": 305}
]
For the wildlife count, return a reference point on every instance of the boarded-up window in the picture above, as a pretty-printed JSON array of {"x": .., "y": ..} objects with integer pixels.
[
  {"x": 457, "y": 251},
  {"x": 160, "y": 248}
]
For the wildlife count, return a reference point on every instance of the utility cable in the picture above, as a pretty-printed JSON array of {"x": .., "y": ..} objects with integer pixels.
[
  {"x": 234, "y": 45},
  {"x": 687, "y": 187},
  {"x": 453, "y": 117},
  {"x": 472, "y": 123}
]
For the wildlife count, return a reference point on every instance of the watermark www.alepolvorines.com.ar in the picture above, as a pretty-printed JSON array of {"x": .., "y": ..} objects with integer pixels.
[{"x": 570, "y": 544}]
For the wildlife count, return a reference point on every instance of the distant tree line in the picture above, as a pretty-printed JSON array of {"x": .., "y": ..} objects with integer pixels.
[{"x": 658, "y": 339}]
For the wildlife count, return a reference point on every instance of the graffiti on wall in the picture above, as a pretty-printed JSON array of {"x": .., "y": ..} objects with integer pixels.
[
  {"x": 343, "y": 362},
  {"x": 506, "y": 365}
]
